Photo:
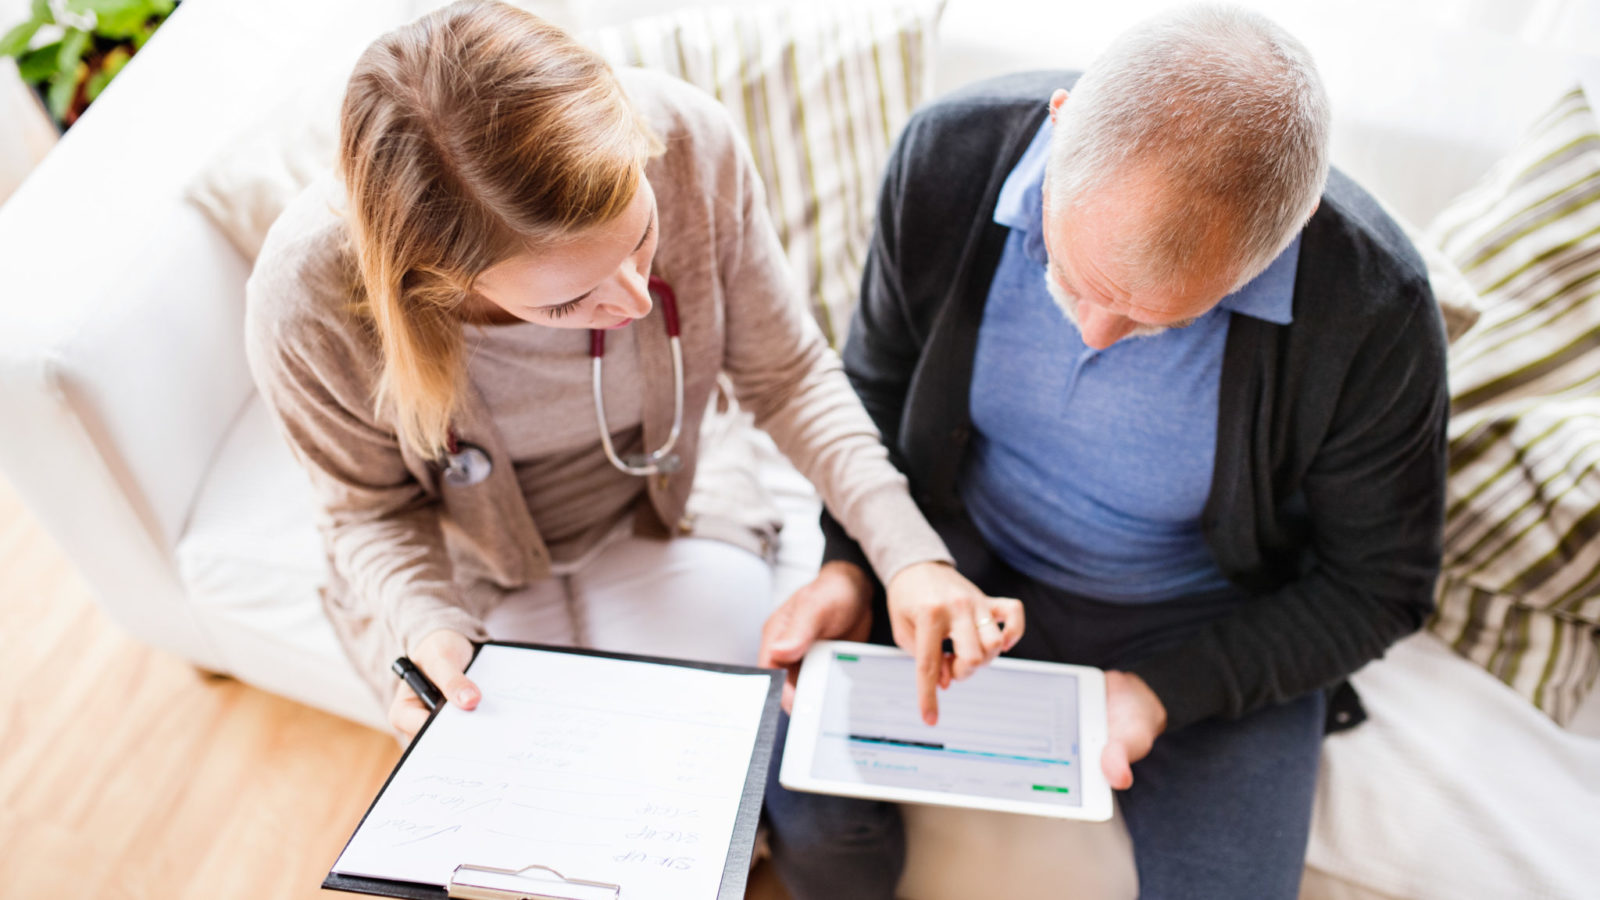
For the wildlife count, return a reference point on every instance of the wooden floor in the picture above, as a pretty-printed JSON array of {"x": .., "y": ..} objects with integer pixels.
[{"x": 125, "y": 773}]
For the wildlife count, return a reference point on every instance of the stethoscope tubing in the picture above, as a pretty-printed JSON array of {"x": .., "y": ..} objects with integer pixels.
[{"x": 661, "y": 460}]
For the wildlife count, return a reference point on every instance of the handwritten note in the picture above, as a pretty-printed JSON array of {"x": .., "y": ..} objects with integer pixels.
[{"x": 606, "y": 770}]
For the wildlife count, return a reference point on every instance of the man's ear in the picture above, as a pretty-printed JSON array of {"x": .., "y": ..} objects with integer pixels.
[{"x": 1056, "y": 99}]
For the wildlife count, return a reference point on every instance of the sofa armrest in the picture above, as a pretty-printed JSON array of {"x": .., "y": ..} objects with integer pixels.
[{"x": 121, "y": 323}]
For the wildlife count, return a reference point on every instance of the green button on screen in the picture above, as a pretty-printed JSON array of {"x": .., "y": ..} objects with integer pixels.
[{"x": 1052, "y": 789}]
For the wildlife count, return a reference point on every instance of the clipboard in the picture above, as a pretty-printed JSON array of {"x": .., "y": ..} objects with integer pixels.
[{"x": 537, "y": 881}]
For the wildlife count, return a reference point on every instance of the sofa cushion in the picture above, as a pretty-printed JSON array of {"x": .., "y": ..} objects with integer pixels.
[
  {"x": 1454, "y": 787},
  {"x": 818, "y": 91},
  {"x": 1520, "y": 593},
  {"x": 251, "y": 561},
  {"x": 958, "y": 854}
]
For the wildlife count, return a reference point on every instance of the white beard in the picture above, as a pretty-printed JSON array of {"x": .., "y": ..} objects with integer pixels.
[{"x": 1068, "y": 305}]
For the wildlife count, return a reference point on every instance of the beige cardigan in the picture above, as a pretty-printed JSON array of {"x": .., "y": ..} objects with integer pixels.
[{"x": 410, "y": 554}]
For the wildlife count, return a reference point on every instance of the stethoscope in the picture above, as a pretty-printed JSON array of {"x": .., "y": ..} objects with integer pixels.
[{"x": 468, "y": 464}]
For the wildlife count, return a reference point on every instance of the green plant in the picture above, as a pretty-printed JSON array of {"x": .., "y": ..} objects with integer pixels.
[{"x": 71, "y": 49}]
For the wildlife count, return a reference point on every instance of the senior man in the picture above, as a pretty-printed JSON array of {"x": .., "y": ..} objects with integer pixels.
[{"x": 1154, "y": 371}]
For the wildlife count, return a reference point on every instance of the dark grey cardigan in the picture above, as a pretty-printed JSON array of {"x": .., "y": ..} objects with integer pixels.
[{"x": 1328, "y": 489}]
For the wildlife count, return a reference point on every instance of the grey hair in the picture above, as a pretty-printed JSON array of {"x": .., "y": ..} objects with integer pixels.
[{"x": 1226, "y": 110}]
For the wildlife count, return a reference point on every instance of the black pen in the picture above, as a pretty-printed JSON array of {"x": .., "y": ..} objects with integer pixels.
[{"x": 425, "y": 689}]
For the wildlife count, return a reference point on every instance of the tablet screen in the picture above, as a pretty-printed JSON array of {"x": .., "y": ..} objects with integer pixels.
[{"x": 1003, "y": 734}]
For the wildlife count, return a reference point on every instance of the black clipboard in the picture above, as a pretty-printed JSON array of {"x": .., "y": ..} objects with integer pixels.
[{"x": 736, "y": 869}]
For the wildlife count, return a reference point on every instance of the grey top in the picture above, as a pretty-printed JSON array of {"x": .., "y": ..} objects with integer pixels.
[{"x": 536, "y": 382}]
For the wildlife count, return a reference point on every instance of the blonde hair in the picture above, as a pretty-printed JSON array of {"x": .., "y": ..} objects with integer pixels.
[{"x": 476, "y": 132}]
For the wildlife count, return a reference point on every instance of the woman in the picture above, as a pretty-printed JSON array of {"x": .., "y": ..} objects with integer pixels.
[{"x": 421, "y": 327}]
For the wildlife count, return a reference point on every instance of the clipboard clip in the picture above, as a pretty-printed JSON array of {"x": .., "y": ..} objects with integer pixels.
[{"x": 467, "y": 883}]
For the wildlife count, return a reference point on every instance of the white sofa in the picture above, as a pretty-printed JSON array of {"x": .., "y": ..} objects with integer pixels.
[{"x": 133, "y": 432}]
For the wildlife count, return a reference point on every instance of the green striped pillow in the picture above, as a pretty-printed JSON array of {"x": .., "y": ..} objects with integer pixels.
[
  {"x": 1520, "y": 593},
  {"x": 819, "y": 91}
]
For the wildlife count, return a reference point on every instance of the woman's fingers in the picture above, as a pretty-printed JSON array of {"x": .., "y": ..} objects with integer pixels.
[
  {"x": 406, "y": 713},
  {"x": 967, "y": 644},
  {"x": 929, "y": 602},
  {"x": 443, "y": 657},
  {"x": 991, "y": 636},
  {"x": 460, "y": 690},
  {"x": 929, "y": 650},
  {"x": 1008, "y": 612}
]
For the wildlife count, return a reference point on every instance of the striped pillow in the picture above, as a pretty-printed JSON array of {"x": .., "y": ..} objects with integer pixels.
[
  {"x": 1520, "y": 593},
  {"x": 819, "y": 91}
]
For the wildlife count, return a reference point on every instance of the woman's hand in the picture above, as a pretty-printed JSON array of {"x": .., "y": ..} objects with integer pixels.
[
  {"x": 836, "y": 605},
  {"x": 931, "y": 601},
  {"x": 1135, "y": 717},
  {"x": 443, "y": 657}
]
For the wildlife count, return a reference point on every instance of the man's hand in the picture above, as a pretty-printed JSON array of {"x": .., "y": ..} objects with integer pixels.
[
  {"x": 443, "y": 657},
  {"x": 836, "y": 605},
  {"x": 929, "y": 602},
  {"x": 1134, "y": 717}
]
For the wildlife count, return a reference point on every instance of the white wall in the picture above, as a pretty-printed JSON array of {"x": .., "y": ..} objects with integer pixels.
[{"x": 1488, "y": 68}]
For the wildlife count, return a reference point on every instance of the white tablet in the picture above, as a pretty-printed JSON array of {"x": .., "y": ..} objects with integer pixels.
[{"x": 1018, "y": 736}]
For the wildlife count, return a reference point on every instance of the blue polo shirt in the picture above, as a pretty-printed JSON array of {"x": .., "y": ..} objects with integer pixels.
[{"x": 1089, "y": 469}]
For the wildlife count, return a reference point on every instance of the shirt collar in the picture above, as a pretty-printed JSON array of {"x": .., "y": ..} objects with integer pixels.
[
  {"x": 1270, "y": 295},
  {"x": 1020, "y": 207}
]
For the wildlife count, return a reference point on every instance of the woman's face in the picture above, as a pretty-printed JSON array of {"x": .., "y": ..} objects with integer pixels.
[{"x": 598, "y": 279}]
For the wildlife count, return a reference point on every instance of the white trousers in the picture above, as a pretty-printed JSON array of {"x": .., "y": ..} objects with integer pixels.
[{"x": 691, "y": 598}]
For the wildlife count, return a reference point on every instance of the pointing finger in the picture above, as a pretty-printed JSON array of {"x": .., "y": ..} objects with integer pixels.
[{"x": 930, "y": 658}]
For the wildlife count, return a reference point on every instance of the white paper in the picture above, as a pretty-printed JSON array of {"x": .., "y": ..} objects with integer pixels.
[{"x": 605, "y": 770}]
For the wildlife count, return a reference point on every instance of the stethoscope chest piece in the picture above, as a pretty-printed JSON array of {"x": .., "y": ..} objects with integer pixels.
[
  {"x": 466, "y": 465},
  {"x": 652, "y": 464}
]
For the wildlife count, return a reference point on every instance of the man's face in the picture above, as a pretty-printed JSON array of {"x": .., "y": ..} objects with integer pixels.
[
  {"x": 1096, "y": 287},
  {"x": 1089, "y": 275}
]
